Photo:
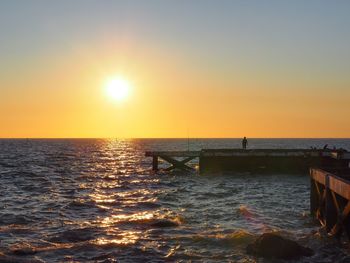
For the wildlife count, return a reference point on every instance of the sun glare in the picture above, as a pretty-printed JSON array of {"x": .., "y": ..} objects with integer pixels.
[{"x": 118, "y": 89}]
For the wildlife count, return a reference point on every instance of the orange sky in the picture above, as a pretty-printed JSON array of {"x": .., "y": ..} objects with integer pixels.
[{"x": 178, "y": 90}]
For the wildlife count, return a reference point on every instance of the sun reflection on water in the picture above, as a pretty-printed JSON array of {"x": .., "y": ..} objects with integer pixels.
[
  {"x": 117, "y": 199},
  {"x": 141, "y": 216},
  {"x": 125, "y": 238}
]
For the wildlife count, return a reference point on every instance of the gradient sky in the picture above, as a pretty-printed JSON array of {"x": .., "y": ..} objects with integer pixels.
[{"x": 197, "y": 68}]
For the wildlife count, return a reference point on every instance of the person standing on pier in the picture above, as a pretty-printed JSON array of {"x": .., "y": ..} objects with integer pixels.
[{"x": 244, "y": 143}]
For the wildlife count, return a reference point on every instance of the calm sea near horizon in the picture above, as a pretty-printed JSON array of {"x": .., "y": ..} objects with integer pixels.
[{"x": 97, "y": 200}]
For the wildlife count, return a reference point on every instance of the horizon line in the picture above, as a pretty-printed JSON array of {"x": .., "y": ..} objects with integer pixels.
[{"x": 161, "y": 138}]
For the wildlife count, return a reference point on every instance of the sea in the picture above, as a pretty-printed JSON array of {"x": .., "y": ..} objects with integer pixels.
[{"x": 98, "y": 200}]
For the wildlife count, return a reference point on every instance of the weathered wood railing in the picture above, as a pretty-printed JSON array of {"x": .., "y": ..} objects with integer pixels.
[
  {"x": 330, "y": 201},
  {"x": 170, "y": 157}
]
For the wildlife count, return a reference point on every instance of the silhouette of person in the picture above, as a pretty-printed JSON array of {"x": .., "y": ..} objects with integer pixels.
[{"x": 244, "y": 143}]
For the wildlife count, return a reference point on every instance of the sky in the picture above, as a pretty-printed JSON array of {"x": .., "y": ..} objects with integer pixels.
[{"x": 205, "y": 69}]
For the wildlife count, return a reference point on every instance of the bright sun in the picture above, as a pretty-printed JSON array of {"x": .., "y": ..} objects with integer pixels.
[{"x": 118, "y": 89}]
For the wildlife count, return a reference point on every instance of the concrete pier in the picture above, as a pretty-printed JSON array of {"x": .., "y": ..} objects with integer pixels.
[
  {"x": 267, "y": 160},
  {"x": 252, "y": 160}
]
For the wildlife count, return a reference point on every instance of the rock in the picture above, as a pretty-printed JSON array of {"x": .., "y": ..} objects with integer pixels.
[
  {"x": 24, "y": 251},
  {"x": 270, "y": 245},
  {"x": 74, "y": 235},
  {"x": 164, "y": 223},
  {"x": 11, "y": 259}
]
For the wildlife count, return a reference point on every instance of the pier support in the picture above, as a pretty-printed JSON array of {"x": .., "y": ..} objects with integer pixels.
[
  {"x": 341, "y": 208},
  {"x": 176, "y": 164},
  {"x": 330, "y": 201},
  {"x": 330, "y": 215},
  {"x": 155, "y": 163},
  {"x": 172, "y": 158},
  {"x": 314, "y": 196}
]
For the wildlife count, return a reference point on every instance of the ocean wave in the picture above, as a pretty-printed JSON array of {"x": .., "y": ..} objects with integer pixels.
[
  {"x": 13, "y": 219},
  {"x": 75, "y": 235},
  {"x": 78, "y": 203},
  {"x": 13, "y": 259},
  {"x": 98, "y": 200},
  {"x": 237, "y": 237},
  {"x": 16, "y": 229}
]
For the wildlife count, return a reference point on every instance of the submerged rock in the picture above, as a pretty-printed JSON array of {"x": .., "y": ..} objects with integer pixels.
[
  {"x": 164, "y": 223},
  {"x": 270, "y": 245},
  {"x": 24, "y": 251},
  {"x": 11, "y": 259},
  {"x": 74, "y": 235}
]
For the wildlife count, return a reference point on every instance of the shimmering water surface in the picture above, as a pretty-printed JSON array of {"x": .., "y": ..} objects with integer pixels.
[{"x": 97, "y": 200}]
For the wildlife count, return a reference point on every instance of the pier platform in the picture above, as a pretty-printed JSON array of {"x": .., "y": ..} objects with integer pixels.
[{"x": 252, "y": 160}]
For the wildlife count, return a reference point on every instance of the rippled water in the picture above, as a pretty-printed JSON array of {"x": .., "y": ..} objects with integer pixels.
[{"x": 98, "y": 201}]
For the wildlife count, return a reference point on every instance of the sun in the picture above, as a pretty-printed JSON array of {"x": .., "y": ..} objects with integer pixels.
[{"x": 117, "y": 89}]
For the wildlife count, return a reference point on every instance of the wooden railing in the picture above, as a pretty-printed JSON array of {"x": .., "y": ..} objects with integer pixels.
[{"x": 170, "y": 157}]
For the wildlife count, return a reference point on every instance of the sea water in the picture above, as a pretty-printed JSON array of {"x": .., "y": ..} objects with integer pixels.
[{"x": 97, "y": 200}]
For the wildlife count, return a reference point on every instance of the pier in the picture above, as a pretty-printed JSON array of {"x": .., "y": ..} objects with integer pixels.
[
  {"x": 252, "y": 160},
  {"x": 330, "y": 200},
  {"x": 329, "y": 175}
]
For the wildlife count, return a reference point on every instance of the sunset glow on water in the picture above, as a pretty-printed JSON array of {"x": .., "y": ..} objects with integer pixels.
[{"x": 98, "y": 200}]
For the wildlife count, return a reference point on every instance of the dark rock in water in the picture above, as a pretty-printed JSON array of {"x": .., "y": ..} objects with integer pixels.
[
  {"x": 24, "y": 251},
  {"x": 270, "y": 245},
  {"x": 164, "y": 223},
  {"x": 74, "y": 235},
  {"x": 10, "y": 259}
]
